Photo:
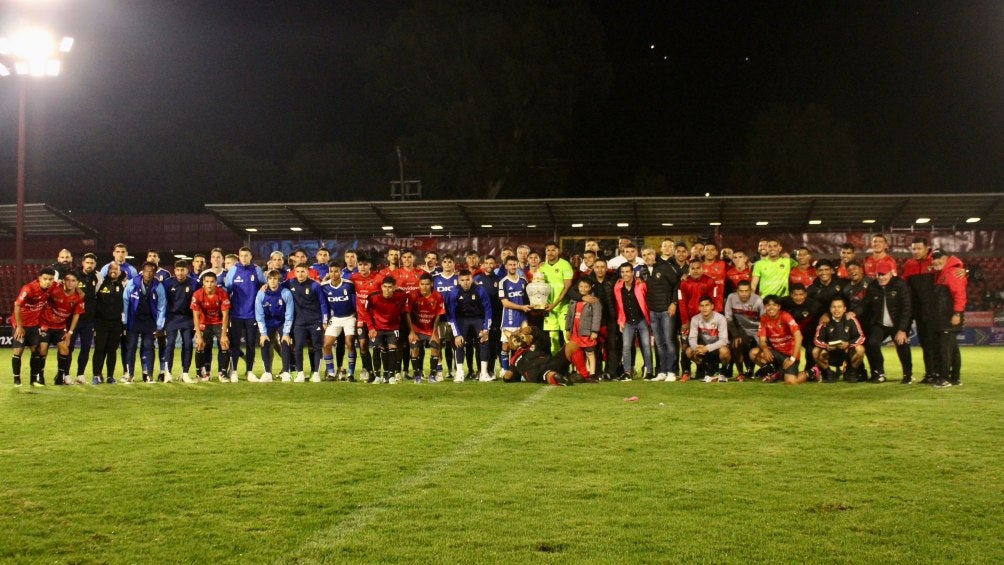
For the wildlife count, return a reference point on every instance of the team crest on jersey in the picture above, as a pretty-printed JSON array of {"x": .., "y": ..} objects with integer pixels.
[
  {"x": 306, "y": 291},
  {"x": 280, "y": 302}
]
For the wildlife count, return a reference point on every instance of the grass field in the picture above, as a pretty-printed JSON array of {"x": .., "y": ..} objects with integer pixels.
[{"x": 448, "y": 473}]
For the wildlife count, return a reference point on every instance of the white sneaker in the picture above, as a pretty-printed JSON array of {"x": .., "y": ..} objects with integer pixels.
[
  {"x": 81, "y": 380},
  {"x": 265, "y": 378},
  {"x": 722, "y": 378},
  {"x": 710, "y": 379},
  {"x": 377, "y": 381},
  {"x": 486, "y": 378},
  {"x": 68, "y": 380},
  {"x": 670, "y": 377},
  {"x": 659, "y": 377},
  {"x": 233, "y": 377},
  {"x": 364, "y": 375},
  {"x": 299, "y": 378},
  {"x": 343, "y": 374},
  {"x": 285, "y": 377},
  {"x": 458, "y": 376},
  {"x": 168, "y": 377},
  {"x": 315, "y": 377},
  {"x": 252, "y": 378},
  {"x": 223, "y": 378},
  {"x": 186, "y": 379},
  {"x": 392, "y": 380}
]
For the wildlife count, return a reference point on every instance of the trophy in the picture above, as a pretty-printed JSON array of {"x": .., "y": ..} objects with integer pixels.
[{"x": 538, "y": 292}]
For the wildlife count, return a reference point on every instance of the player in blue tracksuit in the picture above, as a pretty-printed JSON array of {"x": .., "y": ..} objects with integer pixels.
[
  {"x": 470, "y": 319},
  {"x": 446, "y": 283},
  {"x": 274, "y": 311},
  {"x": 242, "y": 282},
  {"x": 341, "y": 298},
  {"x": 179, "y": 290},
  {"x": 310, "y": 315},
  {"x": 144, "y": 314}
]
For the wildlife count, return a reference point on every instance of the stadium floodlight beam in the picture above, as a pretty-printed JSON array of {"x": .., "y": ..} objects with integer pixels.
[{"x": 28, "y": 52}]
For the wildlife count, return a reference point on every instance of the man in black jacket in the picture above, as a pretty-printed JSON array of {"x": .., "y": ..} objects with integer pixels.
[
  {"x": 663, "y": 285},
  {"x": 888, "y": 313}
]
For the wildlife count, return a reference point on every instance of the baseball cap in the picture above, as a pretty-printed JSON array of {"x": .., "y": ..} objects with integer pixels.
[
  {"x": 938, "y": 253},
  {"x": 882, "y": 270}
]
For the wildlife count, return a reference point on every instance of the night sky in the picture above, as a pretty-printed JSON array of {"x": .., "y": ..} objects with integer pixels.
[{"x": 919, "y": 85}]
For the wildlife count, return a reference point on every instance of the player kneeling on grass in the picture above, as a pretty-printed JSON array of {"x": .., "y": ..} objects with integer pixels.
[
  {"x": 708, "y": 342},
  {"x": 530, "y": 358},
  {"x": 273, "y": 312},
  {"x": 211, "y": 316},
  {"x": 780, "y": 344},
  {"x": 66, "y": 302},
  {"x": 839, "y": 346}
]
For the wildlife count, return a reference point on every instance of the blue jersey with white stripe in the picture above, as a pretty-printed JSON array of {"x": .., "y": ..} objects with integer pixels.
[
  {"x": 341, "y": 298},
  {"x": 515, "y": 292},
  {"x": 448, "y": 287}
]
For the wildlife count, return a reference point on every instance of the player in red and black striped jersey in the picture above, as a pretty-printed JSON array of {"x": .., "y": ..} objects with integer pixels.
[
  {"x": 366, "y": 283},
  {"x": 66, "y": 303},
  {"x": 27, "y": 310},
  {"x": 425, "y": 306},
  {"x": 211, "y": 316},
  {"x": 386, "y": 311}
]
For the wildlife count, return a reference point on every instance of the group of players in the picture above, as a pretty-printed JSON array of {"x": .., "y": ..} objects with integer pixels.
[{"x": 679, "y": 305}]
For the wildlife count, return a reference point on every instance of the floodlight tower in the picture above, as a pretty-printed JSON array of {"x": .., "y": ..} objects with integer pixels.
[{"x": 29, "y": 52}]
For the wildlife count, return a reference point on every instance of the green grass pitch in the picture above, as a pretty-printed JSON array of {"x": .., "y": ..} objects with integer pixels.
[{"x": 495, "y": 473}]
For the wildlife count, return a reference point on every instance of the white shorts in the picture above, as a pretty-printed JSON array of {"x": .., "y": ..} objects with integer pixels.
[
  {"x": 504, "y": 337},
  {"x": 338, "y": 326}
]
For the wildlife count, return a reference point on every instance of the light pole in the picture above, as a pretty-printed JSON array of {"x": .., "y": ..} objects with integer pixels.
[{"x": 28, "y": 52}]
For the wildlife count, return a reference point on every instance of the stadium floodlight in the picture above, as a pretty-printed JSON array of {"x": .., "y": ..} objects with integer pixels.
[
  {"x": 388, "y": 228},
  {"x": 577, "y": 225},
  {"x": 762, "y": 223},
  {"x": 972, "y": 220},
  {"x": 922, "y": 220},
  {"x": 28, "y": 52},
  {"x": 815, "y": 222}
]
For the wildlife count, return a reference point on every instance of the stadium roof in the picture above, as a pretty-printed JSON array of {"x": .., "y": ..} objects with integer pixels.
[
  {"x": 633, "y": 215},
  {"x": 42, "y": 220}
]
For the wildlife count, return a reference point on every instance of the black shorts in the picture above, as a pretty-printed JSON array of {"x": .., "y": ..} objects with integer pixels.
[
  {"x": 778, "y": 359},
  {"x": 210, "y": 333},
  {"x": 386, "y": 338},
  {"x": 426, "y": 342},
  {"x": 32, "y": 337},
  {"x": 363, "y": 331},
  {"x": 53, "y": 336}
]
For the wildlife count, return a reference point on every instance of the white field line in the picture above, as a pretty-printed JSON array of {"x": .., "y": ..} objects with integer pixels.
[{"x": 359, "y": 519}]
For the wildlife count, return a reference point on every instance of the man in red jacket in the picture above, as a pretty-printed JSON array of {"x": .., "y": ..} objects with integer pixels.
[
  {"x": 949, "y": 317},
  {"x": 633, "y": 317}
]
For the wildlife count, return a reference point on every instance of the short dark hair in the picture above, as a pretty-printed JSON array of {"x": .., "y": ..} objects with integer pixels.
[
  {"x": 463, "y": 273},
  {"x": 772, "y": 298},
  {"x": 797, "y": 286},
  {"x": 388, "y": 280},
  {"x": 425, "y": 277},
  {"x": 181, "y": 263},
  {"x": 89, "y": 256}
]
